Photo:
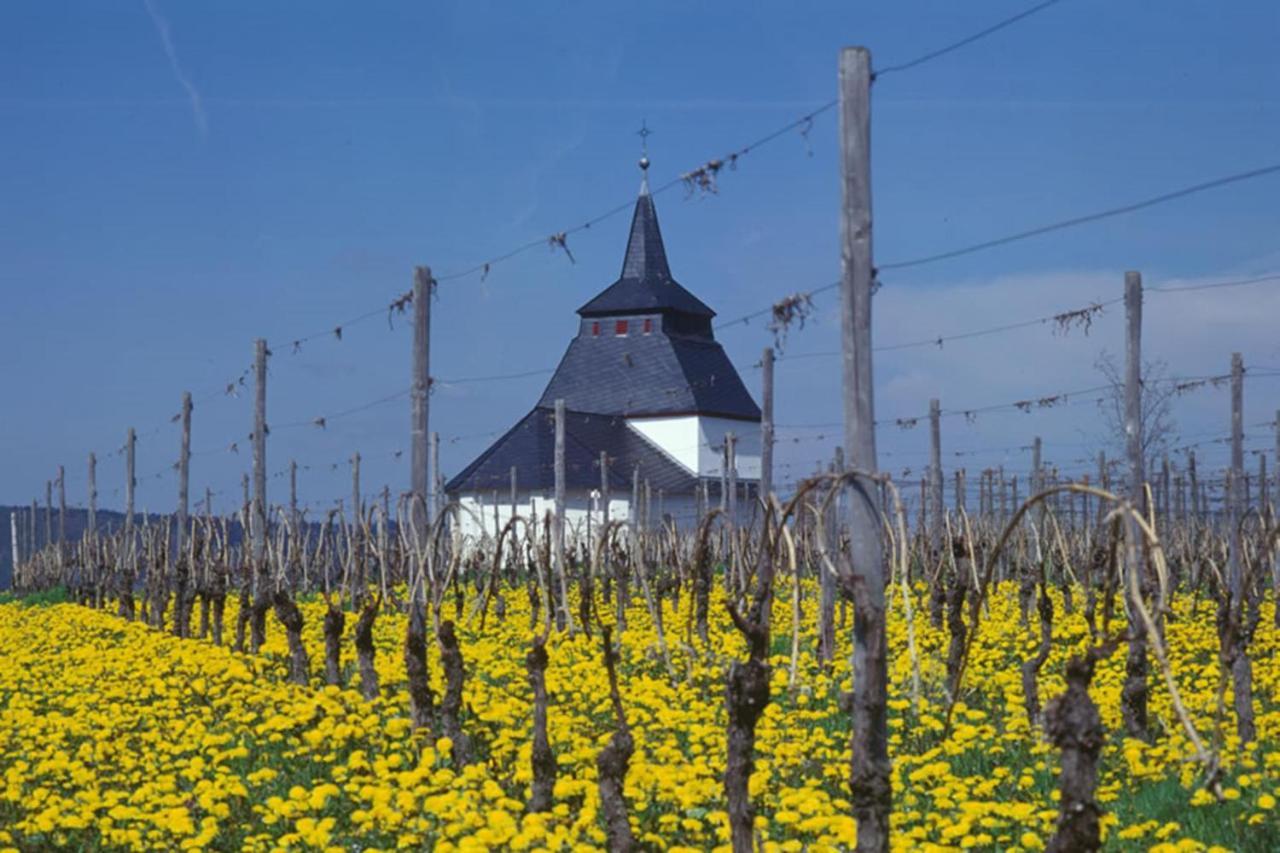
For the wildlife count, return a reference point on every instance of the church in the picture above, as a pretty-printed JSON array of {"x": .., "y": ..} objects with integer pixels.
[{"x": 647, "y": 391}]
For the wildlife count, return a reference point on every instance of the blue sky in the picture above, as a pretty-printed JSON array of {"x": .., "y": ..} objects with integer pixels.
[{"x": 266, "y": 172}]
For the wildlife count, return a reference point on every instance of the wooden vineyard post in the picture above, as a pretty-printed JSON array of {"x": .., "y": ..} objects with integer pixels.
[
  {"x": 1195, "y": 485},
  {"x": 437, "y": 477},
  {"x": 557, "y": 545},
  {"x": 92, "y": 496},
  {"x": 1037, "y": 476},
  {"x": 125, "y": 573},
  {"x": 130, "y": 480},
  {"x": 184, "y": 473},
  {"x": 515, "y": 492},
  {"x": 293, "y": 492},
  {"x": 766, "y": 424},
  {"x": 1235, "y": 508},
  {"x": 869, "y": 776},
  {"x": 736, "y": 569},
  {"x": 1133, "y": 696},
  {"x": 1164, "y": 489},
  {"x": 1004, "y": 505},
  {"x": 357, "y": 505},
  {"x": 1264, "y": 486},
  {"x": 935, "y": 478},
  {"x": 419, "y": 404},
  {"x": 62, "y": 515},
  {"x": 604, "y": 490},
  {"x": 1236, "y": 635},
  {"x": 258, "y": 508},
  {"x": 15, "y": 552}
]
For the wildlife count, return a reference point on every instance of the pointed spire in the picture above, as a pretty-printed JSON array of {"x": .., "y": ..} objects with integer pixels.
[{"x": 646, "y": 258}]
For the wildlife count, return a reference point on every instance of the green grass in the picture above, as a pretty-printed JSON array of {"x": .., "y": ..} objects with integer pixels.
[{"x": 56, "y": 595}]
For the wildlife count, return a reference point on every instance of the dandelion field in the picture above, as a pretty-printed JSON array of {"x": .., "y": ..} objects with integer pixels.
[{"x": 114, "y": 735}]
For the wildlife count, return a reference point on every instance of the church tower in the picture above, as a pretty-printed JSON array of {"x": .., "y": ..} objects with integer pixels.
[{"x": 645, "y": 382}]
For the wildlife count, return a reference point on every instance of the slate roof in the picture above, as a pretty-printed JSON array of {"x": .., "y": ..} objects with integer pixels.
[
  {"x": 646, "y": 285},
  {"x": 640, "y": 375},
  {"x": 529, "y": 446}
]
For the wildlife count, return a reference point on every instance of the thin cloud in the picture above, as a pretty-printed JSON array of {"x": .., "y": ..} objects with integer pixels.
[{"x": 197, "y": 104}]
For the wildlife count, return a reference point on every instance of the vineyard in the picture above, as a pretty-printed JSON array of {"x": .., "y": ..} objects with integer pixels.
[
  {"x": 665, "y": 692},
  {"x": 842, "y": 656}
]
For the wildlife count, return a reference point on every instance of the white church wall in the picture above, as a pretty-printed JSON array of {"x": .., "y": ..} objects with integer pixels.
[
  {"x": 678, "y": 437},
  {"x": 477, "y": 516},
  {"x": 695, "y": 441}
]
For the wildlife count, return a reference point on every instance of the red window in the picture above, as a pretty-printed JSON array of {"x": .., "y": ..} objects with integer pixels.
[
  {"x": 595, "y": 330},
  {"x": 620, "y": 327},
  {"x": 648, "y": 325}
]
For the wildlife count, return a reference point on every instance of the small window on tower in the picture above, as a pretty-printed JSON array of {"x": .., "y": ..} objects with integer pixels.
[
  {"x": 595, "y": 330},
  {"x": 620, "y": 327},
  {"x": 648, "y": 325}
]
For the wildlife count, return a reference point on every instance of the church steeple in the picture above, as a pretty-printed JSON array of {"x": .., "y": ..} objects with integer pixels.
[
  {"x": 646, "y": 284},
  {"x": 646, "y": 257}
]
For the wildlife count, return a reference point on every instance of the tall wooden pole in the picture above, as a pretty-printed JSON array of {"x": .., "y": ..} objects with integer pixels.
[
  {"x": 293, "y": 491},
  {"x": 766, "y": 424},
  {"x": 436, "y": 475},
  {"x": 258, "y": 511},
  {"x": 1133, "y": 389},
  {"x": 62, "y": 510},
  {"x": 1195, "y": 485},
  {"x": 419, "y": 399},
  {"x": 870, "y": 768},
  {"x": 184, "y": 473},
  {"x": 1264, "y": 485},
  {"x": 515, "y": 492},
  {"x": 1133, "y": 695},
  {"x": 130, "y": 480},
  {"x": 1164, "y": 489},
  {"x": 1037, "y": 475},
  {"x": 48, "y": 513},
  {"x": 731, "y": 456},
  {"x": 1004, "y": 499},
  {"x": 1237, "y": 651},
  {"x": 604, "y": 490},
  {"x": 558, "y": 529},
  {"x": 15, "y": 551},
  {"x": 356, "y": 508},
  {"x": 724, "y": 475},
  {"x": 935, "y": 477},
  {"x": 1235, "y": 505},
  {"x": 124, "y": 592},
  {"x": 736, "y": 568},
  {"x": 93, "y": 495}
]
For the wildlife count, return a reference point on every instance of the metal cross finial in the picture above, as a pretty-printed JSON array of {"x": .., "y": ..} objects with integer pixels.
[{"x": 644, "y": 132}]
